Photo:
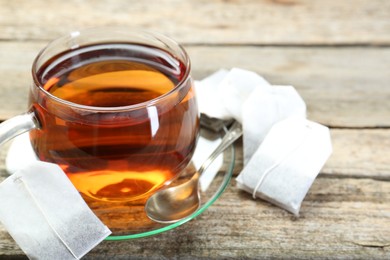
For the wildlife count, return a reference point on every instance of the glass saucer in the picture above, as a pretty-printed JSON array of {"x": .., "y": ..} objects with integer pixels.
[
  {"x": 131, "y": 216},
  {"x": 128, "y": 220}
]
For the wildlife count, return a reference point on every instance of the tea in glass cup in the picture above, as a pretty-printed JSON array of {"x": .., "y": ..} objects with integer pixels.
[{"x": 116, "y": 110}]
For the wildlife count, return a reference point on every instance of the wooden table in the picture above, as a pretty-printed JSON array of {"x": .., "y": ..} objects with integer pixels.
[{"x": 336, "y": 53}]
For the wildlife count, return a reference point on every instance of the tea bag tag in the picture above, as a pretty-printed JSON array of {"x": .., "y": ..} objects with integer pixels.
[
  {"x": 285, "y": 165},
  {"x": 46, "y": 215}
]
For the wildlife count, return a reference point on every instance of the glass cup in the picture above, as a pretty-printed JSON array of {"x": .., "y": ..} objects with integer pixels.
[{"x": 116, "y": 110}]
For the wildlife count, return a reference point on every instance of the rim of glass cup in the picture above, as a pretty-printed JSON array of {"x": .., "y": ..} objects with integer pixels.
[{"x": 165, "y": 40}]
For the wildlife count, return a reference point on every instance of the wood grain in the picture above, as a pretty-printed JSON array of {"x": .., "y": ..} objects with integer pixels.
[
  {"x": 360, "y": 154},
  {"x": 336, "y": 53},
  {"x": 351, "y": 211},
  {"x": 343, "y": 87},
  {"x": 298, "y": 22},
  {"x": 335, "y": 212},
  {"x": 340, "y": 218}
]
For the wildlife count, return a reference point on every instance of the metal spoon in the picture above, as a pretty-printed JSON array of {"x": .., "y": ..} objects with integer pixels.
[{"x": 173, "y": 204}]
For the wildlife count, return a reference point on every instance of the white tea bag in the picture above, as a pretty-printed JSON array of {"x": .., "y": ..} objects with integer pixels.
[
  {"x": 20, "y": 154},
  {"x": 264, "y": 108},
  {"x": 46, "y": 215},
  {"x": 236, "y": 87},
  {"x": 209, "y": 98},
  {"x": 204, "y": 149},
  {"x": 285, "y": 165}
]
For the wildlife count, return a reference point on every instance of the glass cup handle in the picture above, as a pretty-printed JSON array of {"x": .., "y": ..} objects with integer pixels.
[{"x": 17, "y": 125}]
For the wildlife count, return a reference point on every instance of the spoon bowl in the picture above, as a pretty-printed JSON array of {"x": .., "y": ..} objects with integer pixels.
[{"x": 175, "y": 203}]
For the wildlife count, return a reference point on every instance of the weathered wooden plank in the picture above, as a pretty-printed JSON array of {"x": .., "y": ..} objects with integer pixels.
[
  {"x": 340, "y": 218},
  {"x": 15, "y": 74},
  {"x": 343, "y": 87},
  {"x": 362, "y": 153},
  {"x": 213, "y": 22}
]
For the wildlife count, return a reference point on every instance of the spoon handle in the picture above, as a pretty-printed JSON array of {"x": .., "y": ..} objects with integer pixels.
[{"x": 232, "y": 135}]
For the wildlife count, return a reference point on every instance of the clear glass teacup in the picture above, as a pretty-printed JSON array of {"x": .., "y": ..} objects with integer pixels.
[{"x": 115, "y": 109}]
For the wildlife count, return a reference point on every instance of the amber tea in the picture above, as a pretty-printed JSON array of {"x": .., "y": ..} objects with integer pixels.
[{"x": 132, "y": 129}]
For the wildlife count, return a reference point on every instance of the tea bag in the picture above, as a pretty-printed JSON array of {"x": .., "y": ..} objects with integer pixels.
[
  {"x": 236, "y": 87},
  {"x": 279, "y": 164},
  {"x": 262, "y": 109},
  {"x": 20, "y": 153},
  {"x": 222, "y": 94},
  {"x": 46, "y": 215},
  {"x": 209, "y": 99},
  {"x": 285, "y": 165},
  {"x": 204, "y": 149}
]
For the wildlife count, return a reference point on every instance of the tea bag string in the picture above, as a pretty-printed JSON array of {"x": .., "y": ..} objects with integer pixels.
[
  {"x": 20, "y": 179},
  {"x": 279, "y": 162}
]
